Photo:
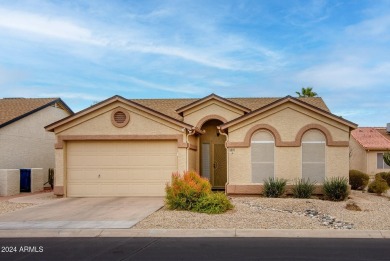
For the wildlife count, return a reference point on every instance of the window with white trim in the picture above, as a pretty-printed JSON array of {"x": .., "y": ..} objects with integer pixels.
[
  {"x": 380, "y": 163},
  {"x": 313, "y": 156},
  {"x": 262, "y": 156}
]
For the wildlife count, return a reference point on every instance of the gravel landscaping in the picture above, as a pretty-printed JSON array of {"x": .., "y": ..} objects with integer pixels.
[
  {"x": 13, "y": 203},
  {"x": 6, "y": 206},
  {"x": 282, "y": 213}
]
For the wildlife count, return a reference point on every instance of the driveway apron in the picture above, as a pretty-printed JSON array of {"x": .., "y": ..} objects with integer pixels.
[{"x": 83, "y": 213}]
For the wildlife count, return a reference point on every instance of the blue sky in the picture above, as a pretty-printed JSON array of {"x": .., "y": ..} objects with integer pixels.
[{"x": 87, "y": 51}]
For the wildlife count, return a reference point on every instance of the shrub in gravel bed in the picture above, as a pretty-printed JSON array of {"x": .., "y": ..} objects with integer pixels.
[
  {"x": 186, "y": 190},
  {"x": 303, "y": 188},
  {"x": 336, "y": 189},
  {"x": 274, "y": 188},
  {"x": 358, "y": 179},
  {"x": 214, "y": 203},
  {"x": 378, "y": 186},
  {"x": 385, "y": 176}
]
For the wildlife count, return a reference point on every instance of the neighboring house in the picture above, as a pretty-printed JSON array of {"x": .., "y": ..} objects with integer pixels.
[
  {"x": 367, "y": 146},
  {"x": 24, "y": 143},
  {"x": 122, "y": 147}
]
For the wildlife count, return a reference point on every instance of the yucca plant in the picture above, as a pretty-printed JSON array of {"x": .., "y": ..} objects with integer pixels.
[
  {"x": 336, "y": 188},
  {"x": 386, "y": 158},
  {"x": 303, "y": 188},
  {"x": 274, "y": 188}
]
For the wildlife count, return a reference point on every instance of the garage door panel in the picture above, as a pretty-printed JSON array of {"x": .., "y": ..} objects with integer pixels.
[
  {"x": 83, "y": 190},
  {"x": 121, "y": 168},
  {"x": 82, "y": 174}
]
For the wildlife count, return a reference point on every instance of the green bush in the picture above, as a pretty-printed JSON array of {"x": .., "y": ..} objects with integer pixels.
[
  {"x": 358, "y": 179},
  {"x": 274, "y": 188},
  {"x": 336, "y": 188},
  {"x": 303, "y": 188},
  {"x": 186, "y": 190},
  {"x": 214, "y": 203},
  {"x": 385, "y": 176},
  {"x": 378, "y": 186}
]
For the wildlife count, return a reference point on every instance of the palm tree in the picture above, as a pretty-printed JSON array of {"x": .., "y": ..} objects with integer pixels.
[{"x": 306, "y": 92}]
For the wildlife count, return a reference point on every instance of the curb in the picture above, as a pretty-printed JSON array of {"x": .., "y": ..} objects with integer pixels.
[{"x": 261, "y": 233}]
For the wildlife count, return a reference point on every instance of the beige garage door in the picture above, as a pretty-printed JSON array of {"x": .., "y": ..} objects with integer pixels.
[{"x": 119, "y": 168}]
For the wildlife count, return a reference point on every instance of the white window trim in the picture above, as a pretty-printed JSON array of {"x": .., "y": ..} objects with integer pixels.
[
  {"x": 325, "y": 158},
  {"x": 274, "y": 162},
  {"x": 262, "y": 141}
]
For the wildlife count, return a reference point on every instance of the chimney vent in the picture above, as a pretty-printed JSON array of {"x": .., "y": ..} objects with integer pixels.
[{"x": 388, "y": 128}]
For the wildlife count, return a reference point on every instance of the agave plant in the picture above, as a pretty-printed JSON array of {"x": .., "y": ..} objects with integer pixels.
[{"x": 386, "y": 158}]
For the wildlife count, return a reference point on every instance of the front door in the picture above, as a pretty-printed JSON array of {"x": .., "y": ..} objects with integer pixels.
[
  {"x": 213, "y": 155},
  {"x": 219, "y": 166}
]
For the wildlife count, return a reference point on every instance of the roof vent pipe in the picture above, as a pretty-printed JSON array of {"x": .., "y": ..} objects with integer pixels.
[{"x": 388, "y": 128}]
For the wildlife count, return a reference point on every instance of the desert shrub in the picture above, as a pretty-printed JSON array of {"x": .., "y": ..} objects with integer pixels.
[
  {"x": 185, "y": 190},
  {"x": 336, "y": 188},
  {"x": 378, "y": 186},
  {"x": 385, "y": 176},
  {"x": 274, "y": 188},
  {"x": 303, "y": 188},
  {"x": 358, "y": 179},
  {"x": 214, "y": 203},
  {"x": 353, "y": 206}
]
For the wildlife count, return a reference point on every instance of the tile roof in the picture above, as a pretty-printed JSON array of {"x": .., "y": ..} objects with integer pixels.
[
  {"x": 168, "y": 106},
  {"x": 372, "y": 138},
  {"x": 12, "y": 108}
]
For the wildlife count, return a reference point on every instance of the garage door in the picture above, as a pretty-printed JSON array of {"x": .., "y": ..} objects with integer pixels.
[{"x": 119, "y": 168}]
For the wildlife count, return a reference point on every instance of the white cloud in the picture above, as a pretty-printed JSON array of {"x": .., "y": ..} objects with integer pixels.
[
  {"x": 345, "y": 75},
  {"x": 46, "y": 26},
  {"x": 374, "y": 27},
  {"x": 144, "y": 40},
  {"x": 182, "y": 89},
  {"x": 73, "y": 95}
]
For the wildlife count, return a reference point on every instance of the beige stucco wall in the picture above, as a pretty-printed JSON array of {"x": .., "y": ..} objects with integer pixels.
[
  {"x": 372, "y": 163},
  {"x": 212, "y": 107},
  {"x": 37, "y": 180},
  {"x": 288, "y": 119},
  {"x": 9, "y": 182},
  {"x": 358, "y": 156},
  {"x": 98, "y": 122},
  {"x": 26, "y": 144}
]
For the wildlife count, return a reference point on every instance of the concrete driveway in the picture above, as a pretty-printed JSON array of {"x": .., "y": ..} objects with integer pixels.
[{"x": 79, "y": 213}]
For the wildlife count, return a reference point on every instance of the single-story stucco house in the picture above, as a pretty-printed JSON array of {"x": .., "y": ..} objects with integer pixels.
[
  {"x": 367, "y": 146},
  {"x": 24, "y": 143},
  {"x": 122, "y": 147}
]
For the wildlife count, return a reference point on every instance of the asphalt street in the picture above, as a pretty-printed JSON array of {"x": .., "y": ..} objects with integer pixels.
[{"x": 194, "y": 249}]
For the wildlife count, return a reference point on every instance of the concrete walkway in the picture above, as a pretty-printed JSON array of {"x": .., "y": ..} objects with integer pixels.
[{"x": 269, "y": 233}]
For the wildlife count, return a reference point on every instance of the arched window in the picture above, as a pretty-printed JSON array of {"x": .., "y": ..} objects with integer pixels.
[
  {"x": 313, "y": 156},
  {"x": 262, "y": 156}
]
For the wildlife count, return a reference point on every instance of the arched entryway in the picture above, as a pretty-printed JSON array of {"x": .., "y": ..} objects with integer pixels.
[{"x": 213, "y": 162}]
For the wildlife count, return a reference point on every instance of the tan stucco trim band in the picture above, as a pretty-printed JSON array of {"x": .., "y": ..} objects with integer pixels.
[
  {"x": 210, "y": 117},
  {"x": 58, "y": 190},
  {"x": 279, "y": 143},
  {"x": 178, "y": 138}
]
